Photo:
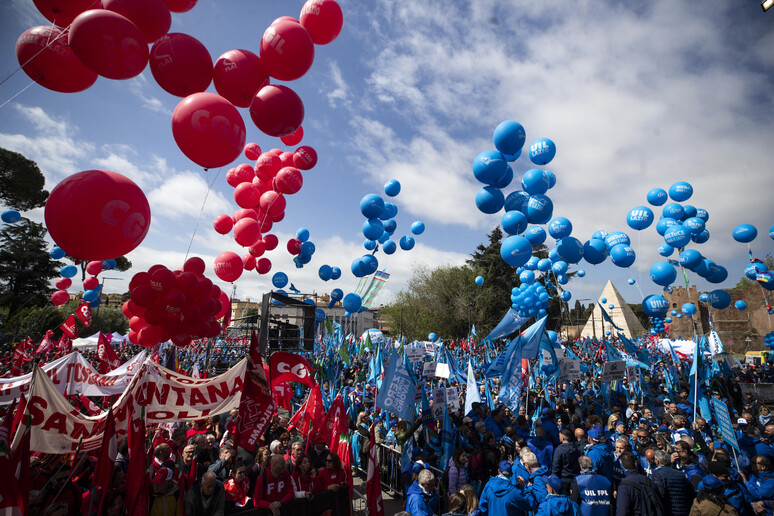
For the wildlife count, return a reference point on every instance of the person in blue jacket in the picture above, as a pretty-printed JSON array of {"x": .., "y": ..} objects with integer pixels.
[
  {"x": 600, "y": 453},
  {"x": 494, "y": 422},
  {"x": 548, "y": 422},
  {"x": 557, "y": 504},
  {"x": 422, "y": 495},
  {"x": 501, "y": 498},
  {"x": 541, "y": 446},
  {"x": 535, "y": 485},
  {"x": 761, "y": 482},
  {"x": 591, "y": 491}
]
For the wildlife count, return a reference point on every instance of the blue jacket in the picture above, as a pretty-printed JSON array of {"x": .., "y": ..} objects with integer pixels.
[
  {"x": 594, "y": 494},
  {"x": 494, "y": 427},
  {"x": 675, "y": 491},
  {"x": 542, "y": 448},
  {"x": 602, "y": 459},
  {"x": 552, "y": 431},
  {"x": 536, "y": 488},
  {"x": 420, "y": 503},
  {"x": 629, "y": 499},
  {"x": 558, "y": 505},
  {"x": 501, "y": 498},
  {"x": 518, "y": 471},
  {"x": 761, "y": 486}
]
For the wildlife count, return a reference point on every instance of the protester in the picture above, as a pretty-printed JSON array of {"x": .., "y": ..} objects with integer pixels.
[{"x": 206, "y": 498}]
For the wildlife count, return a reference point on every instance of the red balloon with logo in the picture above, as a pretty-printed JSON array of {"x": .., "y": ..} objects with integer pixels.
[
  {"x": 151, "y": 16},
  {"x": 287, "y": 50},
  {"x": 228, "y": 266},
  {"x": 323, "y": 20},
  {"x": 181, "y": 64},
  {"x": 238, "y": 75},
  {"x": 305, "y": 158},
  {"x": 263, "y": 266},
  {"x": 46, "y": 58},
  {"x": 277, "y": 110}
]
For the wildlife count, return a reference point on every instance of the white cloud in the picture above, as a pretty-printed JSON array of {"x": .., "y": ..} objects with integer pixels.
[
  {"x": 139, "y": 87},
  {"x": 184, "y": 194},
  {"x": 340, "y": 93}
]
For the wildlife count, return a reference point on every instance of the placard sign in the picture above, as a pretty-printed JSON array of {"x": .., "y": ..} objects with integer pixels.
[
  {"x": 570, "y": 369},
  {"x": 614, "y": 371},
  {"x": 442, "y": 370},
  {"x": 547, "y": 358},
  {"x": 453, "y": 398},
  {"x": 415, "y": 354},
  {"x": 724, "y": 422},
  {"x": 429, "y": 369},
  {"x": 631, "y": 373},
  {"x": 439, "y": 400}
]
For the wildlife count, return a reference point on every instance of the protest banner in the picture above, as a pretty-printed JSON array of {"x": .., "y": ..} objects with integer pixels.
[{"x": 613, "y": 371}]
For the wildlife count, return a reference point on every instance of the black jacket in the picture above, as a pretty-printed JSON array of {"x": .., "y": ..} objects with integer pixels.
[
  {"x": 565, "y": 462},
  {"x": 674, "y": 490}
]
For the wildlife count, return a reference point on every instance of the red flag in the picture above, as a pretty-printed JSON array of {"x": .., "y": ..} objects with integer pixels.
[
  {"x": 70, "y": 328},
  {"x": 20, "y": 465},
  {"x": 5, "y": 435},
  {"x": 137, "y": 485},
  {"x": 107, "y": 462},
  {"x": 282, "y": 395},
  {"x": 289, "y": 367},
  {"x": 227, "y": 317},
  {"x": 84, "y": 313},
  {"x": 46, "y": 343},
  {"x": 373, "y": 482},
  {"x": 20, "y": 353},
  {"x": 336, "y": 423},
  {"x": 107, "y": 356},
  {"x": 90, "y": 407},
  {"x": 256, "y": 405},
  {"x": 311, "y": 414},
  {"x": 65, "y": 345},
  {"x": 17, "y": 418}
]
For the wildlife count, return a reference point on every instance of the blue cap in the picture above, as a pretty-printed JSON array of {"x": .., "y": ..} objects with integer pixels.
[
  {"x": 595, "y": 433},
  {"x": 418, "y": 466},
  {"x": 711, "y": 482},
  {"x": 663, "y": 428},
  {"x": 505, "y": 467},
  {"x": 620, "y": 422},
  {"x": 555, "y": 483}
]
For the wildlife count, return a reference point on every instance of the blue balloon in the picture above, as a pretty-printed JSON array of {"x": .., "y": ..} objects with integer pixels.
[
  {"x": 432, "y": 337},
  {"x": 702, "y": 214},
  {"x": 489, "y": 167},
  {"x": 535, "y": 181},
  {"x": 703, "y": 298},
  {"x": 539, "y": 209},
  {"x": 581, "y": 273},
  {"x": 551, "y": 178},
  {"x": 753, "y": 269},
  {"x": 631, "y": 281},
  {"x": 368, "y": 264},
  {"x": 665, "y": 223},
  {"x": 622, "y": 255},
  {"x": 371, "y": 206},
  {"x": 514, "y": 222},
  {"x": 611, "y": 306},
  {"x": 512, "y": 157},
  {"x": 663, "y": 273},
  {"x": 771, "y": 232},
  {"x": 745, "y": 233},
  {"x": 694, "y": 224},
  {"x": 515, "y": 250},
  {"x": 385, "y": 236},
  {"x": 407, "y": 243},
  {"x": 542, "y": 151},
  {"x": 740, "y": 305},
  {"x": 719, "y": 299},
  {"x": 677, "y": 236},
  {"x": 570, "y": 249},
  {"x": 702, "y": 237},
  {"x": 10, "y": 216},
  {"x": 325, "y": 272},
  {"x": 390, "y": 210},
  {"x": 640, "y": 218},
  {"x": 389, "y": 247},
  {"x": 560, "y": 227},
  {"x": 418, "y": 227},
  {"x": 517, "y": 201},
  {"x": 673, "y": 211},
  {"x": 615, "y": 238},
  {"x": 68, "y": 271},
  {"x": 553, "y": 255},
  {"x": 718, "y": 274},
  {"x": 57, "y": 253},
  {"x": 595, "y": 251},
  {"x": 680, "y": 191},
  {"x": 704, "y": 268},
  {"x": 302, "y": 259},
  {"x": 565, "y": 296},
  {"x": 90, "y": 295},
  {"x": 390, "y": 225},
  {"x": 302, "y": 234},
  {"x": 527, "y": 277},
  {"x": 689, "y": 309},
  {"x": 319, "y": 315},
  {"x": 544, "y": 265},
  {"x": 108, "y": 265},
  {"x": 600, "y": 235},
  {"x": 559, "y": 267},
  {"x": 665, "y": 249},
  {"x": 370, "y": 245},
  {"x": 657, "y": 197},
  {"x": 392, "y": 187},
  {"x": 336, "y": 294},
  {"x": 509, "y": 137},
  {"x": 506, "y": 180},
  {"x": 679, "y": 316},
  {"x": 352, "y": 303},
  {"x": 479, "y": 280},
  {"x": 336, "y": 273},
  {"x": 690, "y": 258},
  {"x": 603, "y": 300},
  {"x": 373, "y": 229},
  {"x": 667, "y": 319},
  {"x": 562, "y": 279},
  {"x": 308, "y": 248},
  {"x": 689, "y": 211},
  {"x": 490, "y": 200},
  {"x": 535, "y": 235},
  {"x": 279, "y": 280},
  {"x": 94, "y": 303}
]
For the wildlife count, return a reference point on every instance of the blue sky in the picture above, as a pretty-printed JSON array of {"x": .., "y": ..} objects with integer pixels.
[{"x": 635, "y": 95}]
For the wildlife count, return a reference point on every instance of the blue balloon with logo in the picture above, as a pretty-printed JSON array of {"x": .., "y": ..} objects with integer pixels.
[
  {"x": 663, "y": 273},
  {"x": 672, "y": 211},
  {"x": 539, "y": 209},
  {"x": 389, "y": 247},
  {"x": 551, "y": 178},
  {"x": 490, "y": 200},
  {"x": 418, "y": 227},
  {"x": 407, "y": 243},
  {"x": 515, "y": 250},
  {"x": 325, "y": 272},
  {"x": 680, "y": 191},
  {"x": 740, "y": 305},
  {"x": 352, "y": 303},
  {"x": 68, "y": 271},
  {"x": 368, "y": 264},
  {"x": 308, "y": 248},
  {"x": 639, "y": 218},
  {"x": 703, "y": 298},
  {"x": 514, "y": 222},
  {"x": 664, "y": 223},
  {"x": 665, "y": 249},
  {"x": 319, "y": 315},
  {"x": 532, "y": 263},
  {"x": 595, "y": 251},
  {"x": 581, "y": 273},
  {"x": 689, "y": 309},
  {"x": 560, "y": 227},
  {"x": 622, "y": 255},
  {"x": 392, "y": 187},
  {"x": 279, "y": 280},
  {"x": 565, "y": 296},
  {"x": 509, "y": 137},
  {"x": 517, "y": 201},
  {"x": 677, "y": 236},
  {"x": 745, "y": 233},
  {"x": 690, "y": 258},
  {"x": 570, "y": 249},
  {"x": 689, "y": 211},
  {"x": 694, "y": 224},
  {"x": 657, "y": 197},
  {"x": 57, "y": 253},
  {"x": 753, "y": 269},
  {"x": 10, "y": 216},
  {"x": 371, "y": 206},
  {"x": 479, "y": 280},
  {"x": 559, "y": 267},
  {"x": 535, "y": 181},
  {"x": 600, "y": 234},
  {"x": 535, "y": 235},
  {"x": 527, "y": 277},
  {"x": 336, "y": 273},
  {"x": 615, "y": 238},
  {"x": 506, "y": 180},
  {"x": 489, "y": 167},
  {"x": 542, "y": 151},
  {"x": 718, "y": 274},
  {"x": 631, "y": 281},
  {"x": 544, "y": 265},
  {"x": 702, "y": 237},
  {"x": 108, "y": 265}
]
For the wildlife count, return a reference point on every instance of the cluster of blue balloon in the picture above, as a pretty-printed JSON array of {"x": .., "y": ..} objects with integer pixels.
[
  {"x": 92, "y": 286},
  {"x": 307, "y": 248},
  {"x": 352, "y": 302},
  {"x": 326, "y": 273},
  {"x": 10, "y": 216},
  {"x": 768, "y": 339},
  {"x": 756, "y": 270},
  {"x": 656, "y": 307},
  {"x": 658, "y": 325},
  {"x": 531, "y": 297}
]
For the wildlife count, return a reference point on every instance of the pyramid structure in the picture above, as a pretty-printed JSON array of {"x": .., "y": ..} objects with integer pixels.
[{"x": 621, "y": 315}]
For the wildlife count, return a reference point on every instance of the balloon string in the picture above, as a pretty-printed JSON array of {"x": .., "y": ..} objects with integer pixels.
[
  {"x": 209, "y": 188},
  {"x": 17, "y": 94}
]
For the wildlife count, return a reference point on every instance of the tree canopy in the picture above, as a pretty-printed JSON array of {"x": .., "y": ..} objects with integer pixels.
[{"x": 21, "y": 182}]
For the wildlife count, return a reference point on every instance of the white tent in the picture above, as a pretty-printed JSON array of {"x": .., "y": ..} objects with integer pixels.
[{"x": 86, "y": 343}]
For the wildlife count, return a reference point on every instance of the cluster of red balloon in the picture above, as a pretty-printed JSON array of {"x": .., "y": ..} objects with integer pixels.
[{"x": 179, "y": 305}]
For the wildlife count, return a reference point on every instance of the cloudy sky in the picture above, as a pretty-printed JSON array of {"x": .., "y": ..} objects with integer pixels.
[{"x": 635, "y": 95}]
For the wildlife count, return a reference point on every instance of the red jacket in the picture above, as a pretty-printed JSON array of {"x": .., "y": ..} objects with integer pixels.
[
  {"x": 269, "y": 489},
  {"x": 328, "y": 477}
]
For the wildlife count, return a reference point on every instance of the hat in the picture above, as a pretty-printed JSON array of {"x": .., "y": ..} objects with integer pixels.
[
  {"x": 619, "y": 422},
  {"x": 418, "y": 466},
  {"x": 418, "y": 452},
  {"x": 663, "y": 428},
  {"x": 466, "y": 420},
  {"x": 667, "y": 400},
  {"x": 711, "y": 482},
  {"x": 505, "y": 467},
  {"x": 595, "y": 434},
  {"x": 161, "y": 476},
  {"x": 741, "y": 421},
  {"x": 555, "y": 483}
]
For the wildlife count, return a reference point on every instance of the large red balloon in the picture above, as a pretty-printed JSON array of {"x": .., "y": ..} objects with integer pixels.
[
  {"x": 228, "y": 266},
  {"x": 181, "y": 64},
  {"x": 323, "y": 19},
  {"x": 245, "y": 213},
  {"x": 295, "y": 138},
  {"x": 94, "y": 267},
  {"x": 277, "y": 110},
  {"x": 180, "y": 6},
  {"x": 263, "y": 266},
  {"x": 208, "y": 129},
  {"x": 289, "y": 180},
  {"x": 272, "y": 202},
  {"x": 97, "y": 215},
  {"x": 246, "y": 232},
  {"x": 244, "y": 173},
  {"x": 223, "y": 224},
  {"x": 305, "y": 158},
  {"x": 247, "y": 195},
  {"x": 151, "y": 16},
  {"x": 194, "y": 265},
  {"x": 62, "y": 12},
  {"x": 43, "y": 54},
  {"x": 108, "y": 44},
  {"x": 238, "y": 75},
  {"x": 287, "y": 50},
  {"x": 271, "y": 242},
  {"x": 257, "y": 249},
  {"x": 90, "y": 283}
]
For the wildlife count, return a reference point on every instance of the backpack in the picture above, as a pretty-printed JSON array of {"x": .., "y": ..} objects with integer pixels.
[
  {"x": 477, "y": 469},
  {"x": 651, "y": 503}
]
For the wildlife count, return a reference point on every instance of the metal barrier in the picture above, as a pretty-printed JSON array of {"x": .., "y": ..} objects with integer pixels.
[
  {"x": 359, "y": 503},
  {"x": 760, "y": 391}
]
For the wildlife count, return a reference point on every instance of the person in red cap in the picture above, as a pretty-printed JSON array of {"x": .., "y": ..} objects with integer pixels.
[
  {"x": 274, "y": 488},
  {"x": 164, "y": 494}
]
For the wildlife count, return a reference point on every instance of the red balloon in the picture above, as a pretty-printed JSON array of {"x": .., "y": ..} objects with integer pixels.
[
  {"x": 248, "y": 261},
  {"x": 62, "y": 12},
  {"x": 237, "y": 75},
  {"x": 225, "y": 303},
  {"x": 180, "y": 6},
  {"x": 97, "y": 215},
  {"x": 162, "y": 280},
  {"x": 305, "y": 158},
  {"x": 150, "y": 335},
  {"x": 151, "y": 16},
  {"x": 287, "y": 50},
  {"x": 286, "y": 159},
  {"x": 246, "y": 232},
  {"x": 323, "y": 19},
  {"x": 257, "y": 249},
  {"x": 186, "y": 282},
  {"x": 267, "y": 166},
  {"x": 144, "y": 295},
  {"x": 277, "y": 110},
  {"x": 181, "y": 64},
  {"x": 208, "y": 129},
  {"x": 266, "y": 222},
  {"x": 252, "y": 151},
  {"x": 278, "y": 217},
  {"x": 60, "y": 297},
  {"x": 137, "y": 323},
  {"x": 228, "y": 266},
  {"x": 289, "y": 180},
  {"x": 127, "y": 311},
  {"x": 272, "y": 202},
  {"x": 276, "y": 152},
  {"x": 223, "y": 224},
  {"x": 244, "y": 173},
  {"x": 108, "y": 44},
  {"x": 45, "y": 57},
  {"x": 263, "y": 186},
  {"x": 247, "y": 195},
  {"x": 133, "y": 337},
  {"x": 231, "y": 177},
  {"x": 271, "y": 242},
  {"x": 245, "y": 213},
  {"x": 63, "y": 283},
  {"x": 263, "y": 266},
  {"x": 294, "y": 246},
  {"x": 141, "y": 278},
  {"x": 94, "y": 268},
  {"x": 285, "y": 18},
  {"x": 195, "y": 265},
  {"x": 294, "y": 138},
  {"x": 90, "y": 283}
]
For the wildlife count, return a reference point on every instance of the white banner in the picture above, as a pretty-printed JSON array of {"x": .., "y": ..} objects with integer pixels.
[
  {"x": 614, "y": 371},
  {"x": 415, "y": 354}
]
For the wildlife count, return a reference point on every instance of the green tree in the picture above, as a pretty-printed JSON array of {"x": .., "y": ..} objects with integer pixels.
[
  {"x": 21, "y": 182},
  {"x": 25, "y": 265},
  {"x": 31, "y": 321},
  {"x": 745, "y": 283}
]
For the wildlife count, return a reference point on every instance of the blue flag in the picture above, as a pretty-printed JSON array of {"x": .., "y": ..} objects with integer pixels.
[
  {"x": 473, "y": 330},
  {"x": 398, "y": 390},
  {"x": 509, "y": 324},
  {"x": 471, "y": 392},
  {"x": 448, "y": 440},
  {"x": 512, "y": 382},
  {"x": 530, "y": 339},
  {"x": 607, "y": 318},
  {"x": 497, "y": 367}
]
